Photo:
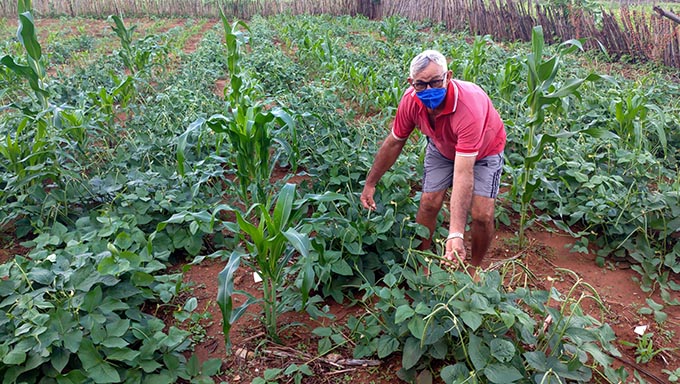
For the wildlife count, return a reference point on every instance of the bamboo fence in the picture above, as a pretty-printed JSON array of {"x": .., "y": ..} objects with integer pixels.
[{"x": 634, "y": 35}]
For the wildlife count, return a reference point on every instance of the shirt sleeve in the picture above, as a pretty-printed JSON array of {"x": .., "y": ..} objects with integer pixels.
[
  {"x": 470, "y": 135},
  {"x": 404, "y": 121}
]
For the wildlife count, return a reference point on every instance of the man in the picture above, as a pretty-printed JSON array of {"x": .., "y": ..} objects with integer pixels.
[{"x": 466, "y": 138}]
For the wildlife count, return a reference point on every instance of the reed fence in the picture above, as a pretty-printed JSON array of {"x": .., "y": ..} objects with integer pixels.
[{"x": 636, "y": 35}]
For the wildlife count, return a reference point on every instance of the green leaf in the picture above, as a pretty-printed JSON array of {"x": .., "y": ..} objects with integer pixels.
[
  {"x": 536, "y": 360},
  {"x": 123, "y": 354},
  {"x": 72, "y": 340},
  {"x": 75, "y": 376},
  {"x": 14, "y": 357},
  {"x": 211, "y": 367},
  {"x": 472, "y": 319},
  {"x": 503, "y": 350},
  {"x": 284, "y": 205},
  {"x": 660, "y": 316},
  {"x": 478, "y": 352},
  {"x": 403, "y": 313},
  {"x": 390, "y": 280},
  {"x": 175, "y": 337},
  {"x": 341, "y": 267},
  {"x": 191, "y": 304},
  {"x": 387, "y": 345},
  {"x": 645, "y": 311},
  {"x": 455, "y": 373},
  {"x": 502, "y": 374},
  {"x": 322, "y": 331},
  {"x": 117, "y": 328},
  {"x": 225, "y": 290},
  {"x": 123, "y": 241},
  {"x": 95, "y": 366},
  {"x": 114, "y": 342},
  {"x": 59, "y": 358},
  {"x": 412, "y": 353},
  {"x": 27, "y": 37},
  {"x": 417, "y": 327},
  {"x": 654, "y": 305},
  {"x": 324, "y": 346},
  {"x": 142, "y": 279},
  {"x": 272, "y": 373}
]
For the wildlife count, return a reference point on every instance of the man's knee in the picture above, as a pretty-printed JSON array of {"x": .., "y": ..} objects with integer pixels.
[
  {"x": 483, "y": 214},
  {"x": 431, "y": 202}
]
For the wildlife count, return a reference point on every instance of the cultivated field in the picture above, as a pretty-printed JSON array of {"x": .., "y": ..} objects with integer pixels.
[{"x": 149, "y": 167}]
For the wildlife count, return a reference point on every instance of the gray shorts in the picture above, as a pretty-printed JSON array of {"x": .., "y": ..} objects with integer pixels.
[{"x": 438, "y": 174}]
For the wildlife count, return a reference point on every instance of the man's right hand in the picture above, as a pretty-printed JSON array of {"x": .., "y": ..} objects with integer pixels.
[{"x": 367, "y": 198}]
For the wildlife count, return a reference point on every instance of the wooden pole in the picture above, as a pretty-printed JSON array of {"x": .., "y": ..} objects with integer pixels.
[{"x": 667, "y": 14}]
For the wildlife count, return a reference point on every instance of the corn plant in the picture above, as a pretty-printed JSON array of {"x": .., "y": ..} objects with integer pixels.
[
  {"x": 635, "y": 115},
  {"x": 251, "y": 129},
  {"x": 137, "y": 55},
  {"x": 271, "y": 242},
  {"x": 34, "y": 71},
  {"x": 545, "y": 93},
  {"x": 474, "y": 64}
]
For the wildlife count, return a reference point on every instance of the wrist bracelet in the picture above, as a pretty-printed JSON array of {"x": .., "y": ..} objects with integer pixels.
[{"x": 454, "y": 235}]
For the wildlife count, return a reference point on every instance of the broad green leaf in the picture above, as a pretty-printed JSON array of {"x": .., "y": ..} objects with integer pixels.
[
  {"x": 403, "y": 313},
  {"x": 175, "y": 337},
  {"x": 324, "y": 346},
  {"x": 537, "y": 42},
  {"x": 111, "y": 305},
  {"x": 502, "y": 374},
  {"x": 536, "y": 360},
  {"x": 455, "y": 373},
  {"x": 654, "y": 305},
  {"x": 472, "y": 319},
  {"x": 117, "y": 328},
  {"x": 283, "y": 207},
  {"x": 27, "y": 37},
  {"x": 387, "y": 345},
  {"x": 341, "y": 267},
  {"x": 412, "y": 353},
  {"x": 114, "y": 342},
  {"x": 211, "y": 367},
  {"x": 14, "y": 357},
  {"x": 123, "y": 241},
  {"x": 272, "y": 373},
  {"x": 159, "y": 378},
  {"x": 322, "y": 331},
  {"x": 439, "y": 349},
  {"x": 503, "y": 350},
  {"x": 72, "y": 340},
  {"x": 478, "y": 352},
  {"x": 123, "y": 354},
  {"x": 225, "y": 290},
  {"x": 142, "y": 279},
  {"x": 59, "y": 358},
  {"x": 75, "y": 376},
  {"x": 95, "y": 366},
  {"x": 191, "y": 304},
  {"x": 417, "y": 327}
]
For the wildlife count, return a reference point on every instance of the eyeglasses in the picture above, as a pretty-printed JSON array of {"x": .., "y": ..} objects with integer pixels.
[{"x": 422, "y": 85}]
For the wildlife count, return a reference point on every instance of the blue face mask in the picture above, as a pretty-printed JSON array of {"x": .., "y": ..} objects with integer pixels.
[{"x": 432, "y": 97}]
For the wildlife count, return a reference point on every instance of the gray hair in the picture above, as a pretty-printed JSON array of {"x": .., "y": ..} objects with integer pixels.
[{"x": 423, "y": 60}]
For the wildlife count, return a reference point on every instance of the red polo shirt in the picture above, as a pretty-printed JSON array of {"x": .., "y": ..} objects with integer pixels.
[{"x": 468, "y": 125}]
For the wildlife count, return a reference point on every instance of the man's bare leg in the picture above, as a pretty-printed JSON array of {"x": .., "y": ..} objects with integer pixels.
[
  {"x": 482, "y": 228},
  {"x": 430, "y": 204}
]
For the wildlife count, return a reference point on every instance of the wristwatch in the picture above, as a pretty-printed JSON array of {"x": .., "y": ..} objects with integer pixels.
[{"x": 454, "y": 235}]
